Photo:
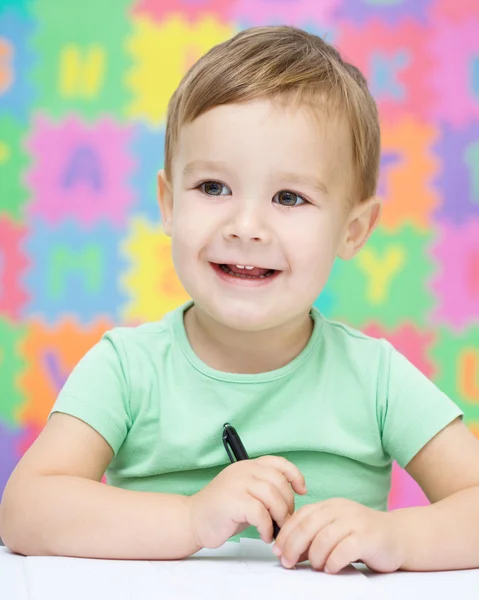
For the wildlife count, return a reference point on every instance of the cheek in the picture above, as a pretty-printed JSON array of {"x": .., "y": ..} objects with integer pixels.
[
  {"x": 186, "y": 225},
  {"x": 190, "y": 235},
  {"x": 183, "y": 245},
  {"x": 192, "y": 217},
  {"x": 313, "y": 255},
  {"x": 315, "y": 247}
]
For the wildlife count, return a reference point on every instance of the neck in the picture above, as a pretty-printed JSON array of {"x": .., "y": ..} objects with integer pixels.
[{"x": 235, "y": 351}]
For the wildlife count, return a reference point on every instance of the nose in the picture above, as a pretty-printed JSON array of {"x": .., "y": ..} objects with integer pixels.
[{"x": 247, "y": 224}]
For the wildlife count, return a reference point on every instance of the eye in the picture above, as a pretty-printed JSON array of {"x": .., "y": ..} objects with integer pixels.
[
  {"x": 213, "y": 188},
  {"x": 286, "y": 198}
]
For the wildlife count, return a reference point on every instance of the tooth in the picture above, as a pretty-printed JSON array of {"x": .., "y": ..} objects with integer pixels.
[
  {"x": 240, "y": 267},
  {"x": 249, "y": 268}
]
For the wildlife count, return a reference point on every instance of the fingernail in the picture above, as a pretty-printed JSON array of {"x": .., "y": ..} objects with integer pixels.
[
  {"x": 277, "y": 550},
  {"x": 327, "y": 570}
]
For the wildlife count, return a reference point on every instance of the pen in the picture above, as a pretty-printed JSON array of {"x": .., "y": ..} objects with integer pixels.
[{"x": 236, "y": 451}]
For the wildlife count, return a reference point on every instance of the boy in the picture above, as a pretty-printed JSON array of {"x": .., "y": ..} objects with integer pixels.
[{"x": 271, "y": 164}]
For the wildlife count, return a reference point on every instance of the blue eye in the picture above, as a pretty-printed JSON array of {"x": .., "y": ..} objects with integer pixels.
[
  {"x": 286, "y": 198},
  {"x": 213, "y": 188}
]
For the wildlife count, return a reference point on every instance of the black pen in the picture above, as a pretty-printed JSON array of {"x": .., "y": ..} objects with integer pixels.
[{"x": 236, "y": 451}]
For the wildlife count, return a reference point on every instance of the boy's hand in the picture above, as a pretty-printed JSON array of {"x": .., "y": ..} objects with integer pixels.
[
  {"x": 336, "y": 532},
  {"x": 247, "y": 492}
]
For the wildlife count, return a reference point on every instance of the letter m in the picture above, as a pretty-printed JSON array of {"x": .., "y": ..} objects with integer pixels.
[{"x": 81, "y": 71}]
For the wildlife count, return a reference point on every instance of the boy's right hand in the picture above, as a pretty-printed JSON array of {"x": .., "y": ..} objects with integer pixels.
[{"x": 247, "y": 492}]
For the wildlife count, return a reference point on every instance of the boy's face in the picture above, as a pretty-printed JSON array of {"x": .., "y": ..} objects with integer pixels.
[{"x": 257, "y": 184}]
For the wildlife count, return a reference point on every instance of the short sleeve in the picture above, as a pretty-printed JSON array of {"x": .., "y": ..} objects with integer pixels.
[
  {"x": 415, "y": 410},
  {"x": 97, "y": 391}
]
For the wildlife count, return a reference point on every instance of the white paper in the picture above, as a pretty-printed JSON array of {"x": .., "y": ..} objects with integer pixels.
[
  {"x": 442, "y": 585},
  {"x": 13, "y": 585},
  {"x": 62, "y": 578},
  {"x": 232, "y": 572},
  {"x": 237, "y": 571}
]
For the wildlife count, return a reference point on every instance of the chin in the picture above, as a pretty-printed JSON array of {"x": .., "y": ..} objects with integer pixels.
[{"x": 242, "y": 318}]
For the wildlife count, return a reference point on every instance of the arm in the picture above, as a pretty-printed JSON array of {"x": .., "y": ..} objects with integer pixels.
[
  {"x": 445, "y": 534},
  {"x": 54, "y": 503}
]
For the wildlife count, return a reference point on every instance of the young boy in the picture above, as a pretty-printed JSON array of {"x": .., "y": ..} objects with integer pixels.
[{"x": 272, "y": 154}]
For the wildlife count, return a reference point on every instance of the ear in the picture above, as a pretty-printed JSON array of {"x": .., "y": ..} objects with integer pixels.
[
  {"x": 165, "y": 201},
  {"x": 361, "y": 222}
]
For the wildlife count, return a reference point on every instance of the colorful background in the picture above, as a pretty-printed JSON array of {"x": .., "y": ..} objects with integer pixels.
[{"x": 84, "y": 87}]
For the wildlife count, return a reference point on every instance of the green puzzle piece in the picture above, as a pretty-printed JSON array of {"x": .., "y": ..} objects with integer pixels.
[
  {"x": 386, "y": 282},
  {"x": 11, "y": 365},
  {"x": 82, "y": 56},
  {"x": 457, "y": 362}
]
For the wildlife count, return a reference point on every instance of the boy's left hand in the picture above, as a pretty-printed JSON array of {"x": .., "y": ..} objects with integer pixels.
[{"x": 336, "y": 532}]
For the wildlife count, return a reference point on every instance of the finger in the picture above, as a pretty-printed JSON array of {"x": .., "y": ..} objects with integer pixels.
[
  {"x": 289, "y": 470},
  {"x": 347, "y": 551},
  {"x": 292, "y": 523},
  {"x": 271, "y": 498},
  {"x": 299, "y": 539},
  {"x": 326, "y": 540},
  {"x": 256, "y": 514},
  {"x": 303, "y": 557},
  {"x": 274, "y": 477}
]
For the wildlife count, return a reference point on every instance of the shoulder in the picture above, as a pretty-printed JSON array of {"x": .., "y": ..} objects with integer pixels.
[
  {"x": 352, "y": 344},
  {"x": 355, "y": 361},
  {"x": 355, "y": 364},
  {"x": 145, "y": 338}
]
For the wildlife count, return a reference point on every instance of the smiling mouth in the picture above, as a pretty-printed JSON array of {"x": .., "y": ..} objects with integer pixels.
[{"x": 247, "y": 272}]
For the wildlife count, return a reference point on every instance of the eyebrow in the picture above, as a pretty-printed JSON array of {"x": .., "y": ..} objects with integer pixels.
[
  {"x": 312, "y": 182},
  {"x": 205, "y": 165},
  {"x": 208, "y": 165}
]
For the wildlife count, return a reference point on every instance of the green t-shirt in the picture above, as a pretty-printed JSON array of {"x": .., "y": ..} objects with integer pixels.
[{"x": 341, "y": 410}]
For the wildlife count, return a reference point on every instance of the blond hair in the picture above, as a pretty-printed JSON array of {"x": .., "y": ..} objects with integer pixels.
[{"x": 281, "y": 62}]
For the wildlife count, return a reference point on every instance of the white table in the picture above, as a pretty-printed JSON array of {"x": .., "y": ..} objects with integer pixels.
[{"x": 246, "y": 571}]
